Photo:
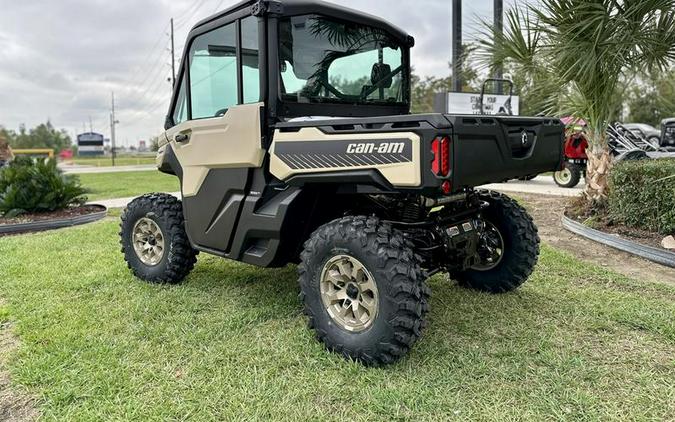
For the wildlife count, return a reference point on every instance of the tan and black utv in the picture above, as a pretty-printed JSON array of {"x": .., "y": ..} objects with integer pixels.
[{"x": 291, "y": 134}]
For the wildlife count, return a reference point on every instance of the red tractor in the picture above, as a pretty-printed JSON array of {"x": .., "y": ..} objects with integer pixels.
[{"x": 574, "y": 151}]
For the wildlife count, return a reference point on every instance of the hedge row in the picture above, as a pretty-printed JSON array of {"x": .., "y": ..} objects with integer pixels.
[{"x": 642, "y": 194}]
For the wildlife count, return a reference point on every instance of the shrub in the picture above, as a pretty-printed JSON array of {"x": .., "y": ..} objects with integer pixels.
[
  {"x": 28, "y": 185},
  {"x": 642, "y": 194}
]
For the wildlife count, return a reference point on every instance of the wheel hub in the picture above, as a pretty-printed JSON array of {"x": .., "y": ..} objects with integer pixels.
[
  {"x": 563, "y": 176},
  {"x": 349, "y": 293},
  {"x": 490, "y": 248},
  {"x": 148, "y": 241}
]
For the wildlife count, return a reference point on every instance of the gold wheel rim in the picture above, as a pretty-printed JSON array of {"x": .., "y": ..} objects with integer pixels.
[
  {"x": 349, "y": 293},
  {"x": 148, "y": 241}
]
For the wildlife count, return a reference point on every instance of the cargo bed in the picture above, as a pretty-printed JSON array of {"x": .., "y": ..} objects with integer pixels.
[{"x": 488, "y": 149}]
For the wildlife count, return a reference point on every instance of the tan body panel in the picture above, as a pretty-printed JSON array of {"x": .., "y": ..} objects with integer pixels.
[
  {"x": 230, "y": 141},
  {"x": 405, "y": 174}
]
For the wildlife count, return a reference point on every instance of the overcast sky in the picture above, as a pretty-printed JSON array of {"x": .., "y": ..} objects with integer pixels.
[{"x": 61, "y": 59}]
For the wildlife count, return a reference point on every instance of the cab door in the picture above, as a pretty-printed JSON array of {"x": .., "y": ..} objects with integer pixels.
[{"x": 217, "y": 134}]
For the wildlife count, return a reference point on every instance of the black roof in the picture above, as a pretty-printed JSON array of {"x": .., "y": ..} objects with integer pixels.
[{"x": 305, "y": 7}]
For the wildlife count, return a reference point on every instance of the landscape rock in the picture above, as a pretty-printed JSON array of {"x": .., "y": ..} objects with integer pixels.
[{"x": 668, "y": 242}]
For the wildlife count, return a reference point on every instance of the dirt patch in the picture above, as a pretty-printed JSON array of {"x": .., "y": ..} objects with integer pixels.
[
  {"x": 56, "y": 215},
  {"x": 547, "y": 212},
  {"x": 15, "y": 404}
]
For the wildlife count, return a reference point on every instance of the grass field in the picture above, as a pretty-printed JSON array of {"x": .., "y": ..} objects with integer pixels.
[
  {"x": 119, "y": 161},
  {"x": 122, "y": 185},
  {"x": 575, "y": 342}
]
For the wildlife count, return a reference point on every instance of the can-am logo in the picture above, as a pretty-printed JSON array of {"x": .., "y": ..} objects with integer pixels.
[{"x": 381, "y": 148}]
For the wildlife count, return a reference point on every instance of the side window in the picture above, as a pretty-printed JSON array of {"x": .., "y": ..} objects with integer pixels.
[
  {"x": 180, "y": 111},
  {"x": 213, "y": 72},
  {"x": 250, "y": 60}
]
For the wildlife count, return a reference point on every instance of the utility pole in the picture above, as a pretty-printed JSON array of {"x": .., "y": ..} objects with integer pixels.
[
  {"x": 113, "y": 122},
  {"x": 173, "y": 59},
  {"x": 457, "y": 45},
  {"x": 498, "y": 24}
]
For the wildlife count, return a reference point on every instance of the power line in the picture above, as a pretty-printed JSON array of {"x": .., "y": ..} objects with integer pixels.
[{"x": 181, "y": 22}]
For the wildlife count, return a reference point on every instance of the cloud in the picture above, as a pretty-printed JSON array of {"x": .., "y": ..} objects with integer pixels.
[{"x": 63, "y": 59}]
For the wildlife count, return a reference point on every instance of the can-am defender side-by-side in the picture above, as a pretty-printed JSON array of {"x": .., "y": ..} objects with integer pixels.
[{"x": 291, "y": 134}]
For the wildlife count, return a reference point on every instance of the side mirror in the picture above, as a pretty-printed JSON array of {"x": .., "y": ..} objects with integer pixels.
[{"x": 168, "y": 123}]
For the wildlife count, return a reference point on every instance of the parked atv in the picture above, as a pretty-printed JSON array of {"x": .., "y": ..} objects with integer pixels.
[
  {"x": 370, "y": 201},
  {"x": 667, "y": 139},
  {"x": 574, "y": 150}
]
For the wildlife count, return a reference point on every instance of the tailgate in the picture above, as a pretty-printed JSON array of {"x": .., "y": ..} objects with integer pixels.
[{"x": 488, "y": 149}]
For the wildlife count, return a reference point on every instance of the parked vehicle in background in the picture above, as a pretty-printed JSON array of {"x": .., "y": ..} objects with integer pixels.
[
  {"x": 645, "y": 131},
  {"x": 574, "y": 151},
  {"x": 667, "y": 140}
]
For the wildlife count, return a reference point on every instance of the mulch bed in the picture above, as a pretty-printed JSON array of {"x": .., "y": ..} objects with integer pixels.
[
  {"x": 577, "y": 210},
  {"x": 55, "y": 215},
  {"x": 49, "y": 216}
]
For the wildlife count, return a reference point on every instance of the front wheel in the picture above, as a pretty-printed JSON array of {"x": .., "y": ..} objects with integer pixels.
[
  {"x": 155, "y": 245},
  {"x": 568, "y": 177},
  {"x": 508, "y": 248},
  {"x": 363, "y": 290}
]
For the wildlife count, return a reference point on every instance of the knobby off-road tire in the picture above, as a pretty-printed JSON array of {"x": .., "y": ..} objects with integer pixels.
[
  {"x": 160, "y": 217},
  {"x": 400, "y": 291},
  {"x": 520, "y": 247},
  {"x": 569, "y": 177}
]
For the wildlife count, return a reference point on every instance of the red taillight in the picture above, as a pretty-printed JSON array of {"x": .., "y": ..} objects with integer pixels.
[
  {"x": 441, "y": 162},
  {"x": 446, "y": 187}
]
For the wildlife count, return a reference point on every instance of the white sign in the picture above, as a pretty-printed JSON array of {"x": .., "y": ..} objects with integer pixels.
[
  {"x": 469, "y": 103},
  {"x": 90, "y": 148}
]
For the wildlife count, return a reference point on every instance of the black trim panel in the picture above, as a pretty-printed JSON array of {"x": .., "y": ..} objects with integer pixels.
[
  {"x": 369, "y": 177},
  {"x": 211, "y": 216}
]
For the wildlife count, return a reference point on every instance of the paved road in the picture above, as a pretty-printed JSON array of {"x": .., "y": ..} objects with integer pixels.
[
  {"x": 75, "y": 169},
  {"x": 542, "y": 185}
]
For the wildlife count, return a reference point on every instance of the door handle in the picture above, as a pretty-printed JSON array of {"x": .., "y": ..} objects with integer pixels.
[{"x": 182, "y": 137}]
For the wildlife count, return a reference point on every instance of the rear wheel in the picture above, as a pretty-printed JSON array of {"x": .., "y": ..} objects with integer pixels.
[
  {"x": 508, "y": 248},
  {"x": 363, "y": 290},
  {"x": 153, "y": 238},
  {"x": 568, "y": 177}
]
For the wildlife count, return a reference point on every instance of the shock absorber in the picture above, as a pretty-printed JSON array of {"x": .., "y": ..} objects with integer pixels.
[{"x": 412, "y": 211}]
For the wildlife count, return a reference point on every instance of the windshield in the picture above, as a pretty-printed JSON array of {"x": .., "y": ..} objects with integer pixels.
[{"x": 325, "y": 60}]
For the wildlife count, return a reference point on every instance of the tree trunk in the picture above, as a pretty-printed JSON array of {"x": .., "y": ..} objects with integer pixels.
[{"x": 597, "y": 176}]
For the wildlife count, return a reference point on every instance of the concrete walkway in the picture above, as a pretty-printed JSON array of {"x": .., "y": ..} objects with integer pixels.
[
  {"x": 541, "y": 185},
  {"x": 75, "y": 169},
  {"x": 122, "y": 202}
]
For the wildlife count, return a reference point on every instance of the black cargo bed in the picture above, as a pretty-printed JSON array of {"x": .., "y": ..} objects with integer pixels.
[{"x": 488, "y": 149}]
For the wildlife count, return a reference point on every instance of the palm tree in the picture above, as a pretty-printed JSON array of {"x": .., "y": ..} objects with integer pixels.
[{"x": 583, "y": 54}]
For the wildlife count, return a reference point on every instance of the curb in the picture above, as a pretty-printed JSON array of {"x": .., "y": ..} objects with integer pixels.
[
  {"x": 660, "y": 256},
  {"x": 36, "y": 226}
]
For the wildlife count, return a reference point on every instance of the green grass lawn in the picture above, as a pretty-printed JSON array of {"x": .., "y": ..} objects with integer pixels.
[
  {"x": 119, "y": 161},
  {"x": 576, "y": 342},
  {"x": 122, "y": 185}
]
